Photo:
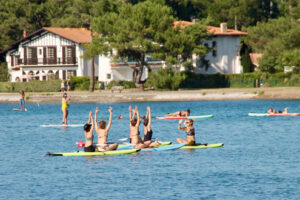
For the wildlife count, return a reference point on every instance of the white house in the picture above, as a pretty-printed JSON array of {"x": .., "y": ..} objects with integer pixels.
[
  {"x": 49, "y": 53},
  {"x": 225, "y": 57},
  {"x": 55, "y": 53}
]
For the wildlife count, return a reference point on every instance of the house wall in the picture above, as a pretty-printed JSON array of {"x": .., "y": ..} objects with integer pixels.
[
  {"x": 226, "y": 59},
  {"x": 47, "y": 40}
]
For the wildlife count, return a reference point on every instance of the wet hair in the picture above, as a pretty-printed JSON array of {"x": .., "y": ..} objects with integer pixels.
[
  {"x": 146, "y": 121},
  {"x": 65, "y": 95},
  {"x": 188, "y": 110},
  {"x": 87, "y": 127},
  {"x": 102, "y": 124},
  {"x": 190, "y": 121},
  {"x": 133, "y": 122}
]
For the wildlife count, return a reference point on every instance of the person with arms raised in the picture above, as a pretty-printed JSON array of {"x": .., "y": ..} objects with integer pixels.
[{"x": 102, "y": 132}]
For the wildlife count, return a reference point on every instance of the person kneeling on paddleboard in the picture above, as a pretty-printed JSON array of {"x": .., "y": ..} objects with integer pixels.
[
  {"x": 148, "y": 131},
  {"x": 88, "y": 133},
  {"x": 190, "y": 132},
  {"x": 183, "y": 113},
  {"x": 102, "y": 132},
  {"x": 134, "y": 129}
]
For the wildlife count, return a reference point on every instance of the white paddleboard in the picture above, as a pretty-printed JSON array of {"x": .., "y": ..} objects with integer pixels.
[
  {"x": 62, "y": 125},
  {"x": 18, "y": 109}
]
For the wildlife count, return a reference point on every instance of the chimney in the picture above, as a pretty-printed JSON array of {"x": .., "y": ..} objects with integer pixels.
[
  {"x": 223, "y": 27},
  {"x": 24, "y": 33}
]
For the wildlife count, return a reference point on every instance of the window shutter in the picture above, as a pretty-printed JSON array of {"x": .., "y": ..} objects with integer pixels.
[{"x": 64, "y": 55}]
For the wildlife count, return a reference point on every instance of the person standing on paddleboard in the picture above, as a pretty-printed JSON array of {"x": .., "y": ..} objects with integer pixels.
[
  {"x": 148, "y": 131},
  {"x": 88, "y": 134},
  {"x": 134, "y": 129},
  {"x": 64, "y": 108},
  {"x": 22, "y": 100},
  {"x": 102, "y": 132},
  {"x": 190, "y": 132}
]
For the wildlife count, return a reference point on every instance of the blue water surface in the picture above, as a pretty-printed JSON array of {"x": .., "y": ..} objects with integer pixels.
[{"x": 260, "y": 158}]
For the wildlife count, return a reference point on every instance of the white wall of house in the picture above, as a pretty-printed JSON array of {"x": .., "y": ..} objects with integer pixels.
[
  {"x": 226, "y": 58},
  {"x": 48, "y": 40}
]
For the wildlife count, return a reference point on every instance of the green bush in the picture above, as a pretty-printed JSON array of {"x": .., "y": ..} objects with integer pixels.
[
  {"x": 125, "y": 84},
  {"x": 80, "y": 83},
  {"x": 32, "y": 86}
]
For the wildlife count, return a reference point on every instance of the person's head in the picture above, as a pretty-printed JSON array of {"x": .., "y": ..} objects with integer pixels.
[
  {"x": 120, "y": 117},
  {"x": 65, "y": 95},
  {"x": 189, "y": 122},
  {"x": 87, "y": 127},
  {"x": 270, "y": 109},
  {"x": 22, "y": 92},
  {"x": 188, "y": 111},
  {"x": 133, "y": 122},
  {"x": 146, "y": 121},
  {"x": 102, "y": 124}
]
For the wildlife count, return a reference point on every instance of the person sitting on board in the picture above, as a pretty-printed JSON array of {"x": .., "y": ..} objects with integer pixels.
[
  {"x": 64, "y": 108},
  {"x": 190, "y": 132},
  {"x": 134, "y": 124},
  {"x": 102, "y": 132},
  {"x": 88, "y": 134},
  {"x": 22, "y": 100},
  {"x": 148, "y": 131},
  {"x": 183, "y": 113}
]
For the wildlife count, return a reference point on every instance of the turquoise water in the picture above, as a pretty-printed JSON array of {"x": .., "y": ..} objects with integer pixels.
[{"x": 260, "y": 159}]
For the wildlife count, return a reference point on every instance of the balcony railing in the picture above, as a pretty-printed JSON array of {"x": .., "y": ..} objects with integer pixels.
[{"x": 47, "y": 61}]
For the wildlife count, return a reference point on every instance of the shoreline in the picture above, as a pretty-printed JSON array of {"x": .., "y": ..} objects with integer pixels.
[{"x": 134, "y": 95}]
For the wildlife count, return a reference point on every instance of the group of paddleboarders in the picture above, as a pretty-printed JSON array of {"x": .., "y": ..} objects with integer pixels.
[{"x": 134, "y": 134}]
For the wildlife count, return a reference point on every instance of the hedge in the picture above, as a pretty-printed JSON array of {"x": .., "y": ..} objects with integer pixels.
[{"x": 32, "y": 86}]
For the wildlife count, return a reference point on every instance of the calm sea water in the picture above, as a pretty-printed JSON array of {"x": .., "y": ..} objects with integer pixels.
[{"x": 260, "y": 159}]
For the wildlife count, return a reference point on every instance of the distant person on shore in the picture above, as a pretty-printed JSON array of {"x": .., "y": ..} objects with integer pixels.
[
  {"x": 190, "y": 132},
  {"x": 62, "y": 86},
  {"x": 99, "y": 86},
  {"x": 272, "y": 111},
  {"x": 22, "y": 100},
  {"x": 69, "y": 85},
  {"x": 102, "y": 132},
  {"x": 183, "y": 113},
  {"x": 134, "y": 124},
  {"x": 88, "y": 134},
  {"x": 64, "y": 107},
  {"x": 148, "y": 131}
]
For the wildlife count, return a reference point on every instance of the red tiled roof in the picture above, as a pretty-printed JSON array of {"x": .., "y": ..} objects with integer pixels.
[
  {"x": 255, "y": 58},
  {"x": 210, "y": 29},
  {"x": 78, "y": 35}
]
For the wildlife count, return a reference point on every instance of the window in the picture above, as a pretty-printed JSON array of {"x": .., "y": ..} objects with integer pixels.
[
  {"x": 108, "y": 76},
  {"x": 214, "y": 47},
  {"x": 40, "y": 52},
  {"x": 50, "y": 52}
]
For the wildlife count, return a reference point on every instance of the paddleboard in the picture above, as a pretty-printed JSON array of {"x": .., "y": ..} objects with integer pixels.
[
  {"x": 203, "y": 146},
  {"x": 18, "y": 109},
  {"x": 273, "y": 115},
  {"x": 62, "y": 125},
  {"x": 188, "y": 117},
  {"x": 103, "y": 153},
  {"x": 164, "y": 148},
  {"x": 129, "y": 146}
]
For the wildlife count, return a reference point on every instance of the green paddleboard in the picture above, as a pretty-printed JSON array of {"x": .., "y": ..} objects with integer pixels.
[
  {"x": 202, "y": 146},
  {"x": 102, "y": 153}
]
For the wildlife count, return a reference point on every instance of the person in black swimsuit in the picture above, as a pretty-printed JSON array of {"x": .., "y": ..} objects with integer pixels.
[
  {"x": 88, "y": 134},
  {"x": 147, "y": 130},
  {"x": 190, "y": 132}
]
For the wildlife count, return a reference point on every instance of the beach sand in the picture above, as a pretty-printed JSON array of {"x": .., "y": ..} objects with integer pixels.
[{"x": 134, "y": 95}]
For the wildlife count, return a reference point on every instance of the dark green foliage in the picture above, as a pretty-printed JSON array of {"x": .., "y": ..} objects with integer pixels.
[
  {"x": 4, "y": 75},
  {"x": 245, "y": 59},
  {"x": 80, "y": 83},
  {"x": 125, "y": 84}
]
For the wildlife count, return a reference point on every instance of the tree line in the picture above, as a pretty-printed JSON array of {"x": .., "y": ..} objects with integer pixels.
[{"x": 135, "y": 27}]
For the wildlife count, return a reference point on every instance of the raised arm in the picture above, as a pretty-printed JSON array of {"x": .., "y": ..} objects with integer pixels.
[
  {"x": 96, "y": 124},
  {"x": 91, "y": 119},
  {"x": 110, "y": 118},
  {"x": 179, "y": 126},
  {"x": 149, "y": 116},
  {"x": 130, "y": 114},
  {"x": 138, "y": 116}
]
